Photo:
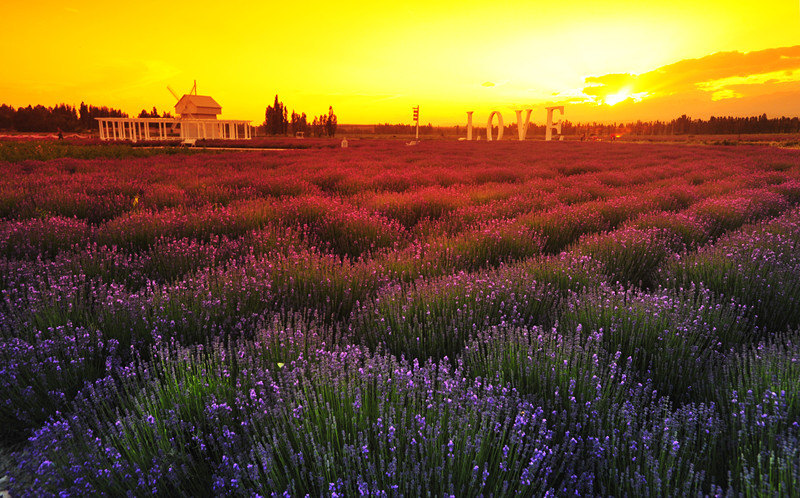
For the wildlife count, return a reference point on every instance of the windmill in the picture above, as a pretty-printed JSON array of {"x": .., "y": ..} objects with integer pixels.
[
  {"x": 193, "y": 91},
  {"x": 194, "y": 106},
  {"x": 196, "y": 118},
  {"x": 197, "y": 115}
]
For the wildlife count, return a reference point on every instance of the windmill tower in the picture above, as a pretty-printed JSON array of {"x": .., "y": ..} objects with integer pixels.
[{"x": 197, "y": 114}]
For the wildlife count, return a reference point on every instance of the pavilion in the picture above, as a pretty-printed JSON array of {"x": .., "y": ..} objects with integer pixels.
[{"x": 198, "y": 120}]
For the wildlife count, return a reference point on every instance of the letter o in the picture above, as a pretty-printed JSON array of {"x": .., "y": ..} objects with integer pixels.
[{"x": 499, "y": 126}]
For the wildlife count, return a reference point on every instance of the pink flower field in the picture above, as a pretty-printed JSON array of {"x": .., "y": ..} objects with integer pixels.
[{"x": 451, "y": 319}]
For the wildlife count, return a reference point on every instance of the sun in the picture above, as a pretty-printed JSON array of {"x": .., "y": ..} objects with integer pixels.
[{"x": 616, "y": 98}]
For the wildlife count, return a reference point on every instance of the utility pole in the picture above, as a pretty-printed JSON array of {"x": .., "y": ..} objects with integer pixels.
[{"x": 416, "y": 119}]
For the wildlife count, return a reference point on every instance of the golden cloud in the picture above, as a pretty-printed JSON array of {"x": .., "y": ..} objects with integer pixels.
[{"x": 721, "y": 75}]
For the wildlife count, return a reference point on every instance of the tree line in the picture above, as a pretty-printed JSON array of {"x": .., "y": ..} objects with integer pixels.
[
  {"x": 717, "y": 125},
  {"x": 683, "y": 125},
  {"x": 61, "y": 117},
  {"x": 277, "y": 122}
]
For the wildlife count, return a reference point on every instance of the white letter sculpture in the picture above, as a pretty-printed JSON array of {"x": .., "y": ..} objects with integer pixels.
[
  {"x": 499, "y": 126},
  {"x": 522, "y": 124},
  {"x": 522, "y": 128},
  {"x": 550, "y": 125}
]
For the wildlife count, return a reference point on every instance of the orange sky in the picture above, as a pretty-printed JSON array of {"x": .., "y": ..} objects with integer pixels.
[{"x": 374, "y": 60}]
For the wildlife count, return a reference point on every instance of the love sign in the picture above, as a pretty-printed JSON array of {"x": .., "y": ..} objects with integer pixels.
[{"x": 522, "y": 124}]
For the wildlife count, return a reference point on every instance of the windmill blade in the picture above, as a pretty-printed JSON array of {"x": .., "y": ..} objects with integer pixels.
[
  {"x": 173, "y": 93},
  {"x": 193, "y": 91}
]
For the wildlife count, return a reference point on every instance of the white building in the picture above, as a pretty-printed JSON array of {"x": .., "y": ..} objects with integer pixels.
[{"x": 197, "y": 120}]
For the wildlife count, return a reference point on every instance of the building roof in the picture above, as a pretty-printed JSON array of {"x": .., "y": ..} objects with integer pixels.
[{"x": 197, "y": 104}]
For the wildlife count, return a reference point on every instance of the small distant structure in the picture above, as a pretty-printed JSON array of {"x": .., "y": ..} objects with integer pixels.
[{"x": 197, "y": 120}]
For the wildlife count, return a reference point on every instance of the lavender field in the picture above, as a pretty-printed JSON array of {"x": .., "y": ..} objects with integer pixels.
[{"x": 451, "y": 319}]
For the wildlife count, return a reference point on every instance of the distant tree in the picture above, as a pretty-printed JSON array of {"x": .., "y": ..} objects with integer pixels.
[
  {"x": 33, "y": 119},
  {"x": 61, "y": 117},
  {"x": 299, "y": 123},
  {"x": 6, "y": 117},
  {"x": 88, "y": 113},
  {"x": 276, "y": 121},
  {"x": 151, "y": 114},
  {"x": 320, "y": 126},
  {"x": 83, "y": 116},
  {"x": 330, "y": 122}
]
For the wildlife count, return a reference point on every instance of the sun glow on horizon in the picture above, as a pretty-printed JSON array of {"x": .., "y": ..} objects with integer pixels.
[
  {"x": 623, "y": 95},
  {"x": 616, "y": 98}
]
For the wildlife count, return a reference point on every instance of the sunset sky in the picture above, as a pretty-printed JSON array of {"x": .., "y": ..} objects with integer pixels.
[{"x": 373, "y": 61}]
